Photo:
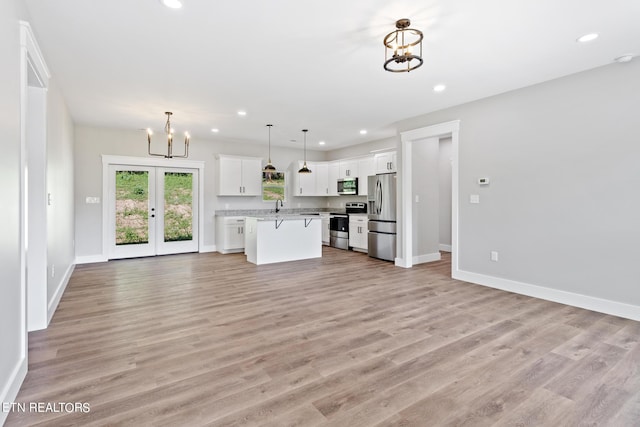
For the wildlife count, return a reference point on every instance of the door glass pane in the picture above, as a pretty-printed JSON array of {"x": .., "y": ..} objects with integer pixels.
[
  {"x": 132, "y": 204},
  {"x": 178, "y": 202}
]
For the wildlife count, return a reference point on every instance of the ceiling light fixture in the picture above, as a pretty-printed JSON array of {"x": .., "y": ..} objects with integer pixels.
[
  {"x": 402, "y": 42},
  {"x": 363, "y": 132},
  {"x": 214, "y": 130},
  {"x": 321, "y": 143},
  {"x": 624, "y": 58},
  {"x": 242, "y": 113},
  {"x": 269, "y": 167},
  {"x": 304, "y": 168},
  {"x": 587, "y": 38},
  {"x": 172, "y": 4},
  {"x": 169, "y": 131},
  {"x": 439, "y": 88}
]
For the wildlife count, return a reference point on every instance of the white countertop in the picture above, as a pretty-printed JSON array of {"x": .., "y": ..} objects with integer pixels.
[{"x": 286, "y": 217}]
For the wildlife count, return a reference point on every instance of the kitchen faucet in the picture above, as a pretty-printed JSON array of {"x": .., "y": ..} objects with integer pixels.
[{"x": 281, "y": 205}]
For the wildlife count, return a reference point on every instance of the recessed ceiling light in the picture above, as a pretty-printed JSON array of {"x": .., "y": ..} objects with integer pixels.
[
  {"x": 214, "y": 130},
  {"x": 321, "y": 143},
  {"x": 363, "y": 132},
  {"x": 439, "y": 88},
  {"x": 242, "y": 113},
  {"x": 587, "y": 38},
  {"x": 173, "y": 4},
  {"x": 624, "y": 58}
]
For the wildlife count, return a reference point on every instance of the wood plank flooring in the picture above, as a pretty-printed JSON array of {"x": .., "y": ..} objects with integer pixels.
[{"x": 346, "y": 340}]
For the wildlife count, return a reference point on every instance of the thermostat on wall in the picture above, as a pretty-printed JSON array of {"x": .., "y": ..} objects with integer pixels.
[{"x": 483, "y": 181}]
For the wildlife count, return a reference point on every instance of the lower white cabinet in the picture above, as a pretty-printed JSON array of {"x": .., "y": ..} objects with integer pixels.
[
  {"x": 230, "y": 234},
  {"x": 325, "y": 229},
  {"x": 358, "y": 230}
]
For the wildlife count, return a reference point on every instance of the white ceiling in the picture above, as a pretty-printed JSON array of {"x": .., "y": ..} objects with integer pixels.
[{"x": 310, "y": 64}]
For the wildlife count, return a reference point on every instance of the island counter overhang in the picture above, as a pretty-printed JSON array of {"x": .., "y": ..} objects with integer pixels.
[{"x": 270, "y": 239}]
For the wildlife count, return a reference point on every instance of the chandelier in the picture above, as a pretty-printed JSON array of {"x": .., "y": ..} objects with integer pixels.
[
  {"x": 169, "y": 131},
  {"x": 401, "y": 43}
]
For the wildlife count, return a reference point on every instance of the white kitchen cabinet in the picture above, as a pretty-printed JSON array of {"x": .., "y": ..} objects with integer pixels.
[
  {"x": 321, "y": 171},
  {"x": 326, "y": 236},
  {"x": 348, "y": 168},
  {"x": 305, "y": 183},
  {"x": 366, "y": 167},
  {"x": 333, "y": 175},
  {"x": 230, "y": 234},
  {"x": 385, "y": 162},
  {"x": 358, "y": 230},
  {"x": 239, "y": 176}
]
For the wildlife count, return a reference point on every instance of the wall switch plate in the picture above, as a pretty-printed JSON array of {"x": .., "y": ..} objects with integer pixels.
[
  {"x": 417, "y": 199},
  {"x": 474, "y": 198},
  {"x": 494, "y": 256},
  {"x": 483, "y": 181}
]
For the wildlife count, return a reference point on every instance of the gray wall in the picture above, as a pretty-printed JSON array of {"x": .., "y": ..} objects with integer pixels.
[
  {"x": 426, "y": 209},
  {"x": 92, "y": 142},
  {"x": 562, "y": 207},
  {"x": 60, "y": 177},
  {"x": 444, "y": 184}
]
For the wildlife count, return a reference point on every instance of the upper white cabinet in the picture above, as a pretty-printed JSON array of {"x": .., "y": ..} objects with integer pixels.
[
  {"x": 366, "y": 167},
  {"x": 239, "y": 176},
  {"x": 385, "y": 162},
  {"x": 305, "y": 183},
  {"x": 322, "y": 178},
  {"x": 348, "y": 168},
  {"x": 334, "y": 174}
]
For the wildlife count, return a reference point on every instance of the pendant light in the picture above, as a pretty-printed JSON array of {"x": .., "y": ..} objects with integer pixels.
[
  {"x": 304, "y": 168},
  {"x": 269, "y": 166}
]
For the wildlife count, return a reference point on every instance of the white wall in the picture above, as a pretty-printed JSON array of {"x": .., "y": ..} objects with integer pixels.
[
  {"x": 92, "y": 142},
  {"x": 12, "y": 317},
  {"x": 562, "y": 207}
]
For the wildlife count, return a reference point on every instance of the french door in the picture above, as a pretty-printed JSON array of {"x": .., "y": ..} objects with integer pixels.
[{"x": 152, "y": 210}]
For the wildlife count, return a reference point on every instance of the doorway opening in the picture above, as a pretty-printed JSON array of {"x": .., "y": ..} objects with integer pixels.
[{"x": 151, "y": 209}]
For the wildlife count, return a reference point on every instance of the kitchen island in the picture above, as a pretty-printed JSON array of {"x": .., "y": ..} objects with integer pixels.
[{"x": 279, "y": 238}]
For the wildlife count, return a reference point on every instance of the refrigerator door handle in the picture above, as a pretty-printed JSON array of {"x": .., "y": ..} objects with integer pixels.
[{"x": 379, "y": 197}]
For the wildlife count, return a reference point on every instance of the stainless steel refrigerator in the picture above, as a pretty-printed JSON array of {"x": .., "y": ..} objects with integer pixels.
[{"x": 382, "y": 216}]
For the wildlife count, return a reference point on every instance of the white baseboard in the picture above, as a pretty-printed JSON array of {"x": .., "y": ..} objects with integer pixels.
[
  {"x": 402, "y": 262},
  {"x": 614, "y": 308},
  {"x": 445, "y": 248},
  {"x": 11, "y": 388},
  {"x": 421, "y": 259},
  {"x": 208, "y": 248},
  {"x": 57, "y": 295},
  {"x": 88, "y": 259}
]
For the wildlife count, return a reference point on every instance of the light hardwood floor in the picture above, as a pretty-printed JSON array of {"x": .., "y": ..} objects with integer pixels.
[{"x": 346, "y": 340}]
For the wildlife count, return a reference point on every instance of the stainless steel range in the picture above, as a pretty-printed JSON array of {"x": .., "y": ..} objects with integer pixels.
[{"x": 339, "y": 224}]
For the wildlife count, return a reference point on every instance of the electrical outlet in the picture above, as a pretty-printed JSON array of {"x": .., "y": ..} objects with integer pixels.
[{"x": 494, "y": 256}]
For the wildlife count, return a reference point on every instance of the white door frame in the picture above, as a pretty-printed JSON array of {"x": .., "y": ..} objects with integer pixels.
[
  {"x": 108, "y": 160},
  {"x": 33, "y": 183},
  {"x": 405, "y": 202},
  {"x": 140, "y": 249},
  {"x": 176, "y": 247}
]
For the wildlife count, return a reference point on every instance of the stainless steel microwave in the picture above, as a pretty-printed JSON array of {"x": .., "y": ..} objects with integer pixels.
[{"x": 348, "y": 186}]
